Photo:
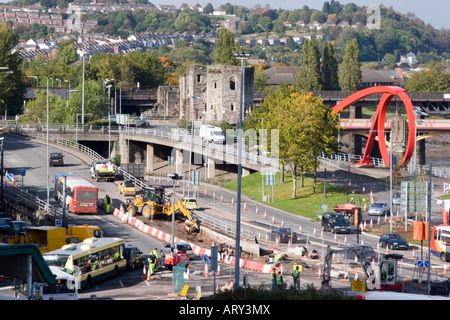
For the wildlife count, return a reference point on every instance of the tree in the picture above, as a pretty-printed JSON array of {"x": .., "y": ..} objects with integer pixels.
[
  {"x": 308, "y": 76},
  {"x": 12, "y": 82},
  {"x": 223, "y": 54},
  {"x": 350, "y": 77},
  {"x": 329, "y": 68},
  {"x": 433, "y": 78},
  {"x": 306, "y": 128}
]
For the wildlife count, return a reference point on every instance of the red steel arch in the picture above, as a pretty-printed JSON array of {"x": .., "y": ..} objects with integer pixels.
[{"x": 378, "y": 124}]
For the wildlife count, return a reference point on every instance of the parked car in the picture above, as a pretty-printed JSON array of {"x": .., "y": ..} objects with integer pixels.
[
  {"x": 56, "y": 159},
  {"x": 190, "y": 203},
  {"x": 440, "y": 288},
  {"x": 4, "y": 224},
  {"x": 393, "y": 241},
  {"x": 396, "y": 199},
  {"x": 335, "y": 223},
  {"x": 127, "y": 188},
  {"x": 179, "y": 246},
  {"x": 134, "y": 256},
  {"x": 368, "y": 250},
  {"x": 379, "y": 209},
  {"x": 284, "y": 234},
  {"x": 18, "y": 227}
]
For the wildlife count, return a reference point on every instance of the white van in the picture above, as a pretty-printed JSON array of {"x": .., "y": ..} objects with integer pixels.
[{"x": 212, "y": 133}]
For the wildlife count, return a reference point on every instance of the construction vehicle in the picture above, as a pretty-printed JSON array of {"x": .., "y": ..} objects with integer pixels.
[
  {"x": 382, "y": 277},
  {"x": 49, "y": 238},
  {"x": 102, "y": 169},
  {"x": 153, "y": 202},
  {"x": 351, "y": 210}
]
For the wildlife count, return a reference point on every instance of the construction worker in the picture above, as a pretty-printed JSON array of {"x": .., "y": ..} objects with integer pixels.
[
  {"x": 296, "y": 277},
  {"x": 273, "y": 277},
  {"x": 279, "y": 279},
  {"x": 155, "y": 253},
  {"x": 151, "y": 263},
  {"x": 107, "y": 203}
]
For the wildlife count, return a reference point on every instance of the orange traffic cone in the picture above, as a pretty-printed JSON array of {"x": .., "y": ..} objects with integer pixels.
[
  {"x": 218, "y": 270},
  {"x": 149, "y": 276},
  {"x": 206, "y": 272},
  {"x": 144, "y": 273}
]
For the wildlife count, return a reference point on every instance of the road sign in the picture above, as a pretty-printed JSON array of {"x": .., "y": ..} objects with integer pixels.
[
  {"x": 270, "y": 178},
  {"x": 10, "y": 176},
  {"x": 205, "y": 259}
]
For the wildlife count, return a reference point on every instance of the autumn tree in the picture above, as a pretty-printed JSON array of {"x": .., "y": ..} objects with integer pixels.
[
  {"x": 433, "y": 78},
  {"x": 305, "y": 126},
  {"x": 350, "y": 76}
]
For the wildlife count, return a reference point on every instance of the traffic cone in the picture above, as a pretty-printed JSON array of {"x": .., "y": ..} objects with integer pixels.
[
  {"x": 206, "y": 193},
  {"x": 277, "y": 240},
  {"x": 371, "y": 194},
  {"x": 445, "y": 267},
  {"x": 378, "y": 220},
  {"x": 300, "y": 228},
  {"x": 256, "y": 211},
  {"x": 289, "y": 243},
  {"x": 149, "y": 276},
  {"x": 321, "y": 233},
  {"x": 378, "y": 247},
  {"x": 144, "y": 273},
  {"x": 206, "y": 272},
  {"x": 365, "y": 207},
  {"x": 282, "y": 222},
  {"x": 245, "y": 206},
  {"x": 187, "y": 273},
  {"x": 387, "y": 248},
  {"x": 364, "y": 190},
  {"x": 349, "y": 184},
  {"x": 335, "y": 238},
  {"x": 214, "y": 195},
  {"x": 414, "y": 253},
  {"x": 319, "y": 274},
  {"x": 371, "y": 223},
  {"x": 345, "y": 239},
  {"x": 221, "y": 198},
  {"x": 259, "y": 235},
  {"x": 265, "y": 215},
  {"x": 218, "y": 270},
  {"x": 232, "y": 201},
  {"x": 314, "y": 232},
  {"x": 385, "y": 217},
  {"x": 273, "y": 219}
]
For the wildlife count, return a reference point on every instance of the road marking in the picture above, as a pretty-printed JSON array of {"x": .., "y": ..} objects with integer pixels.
[
  {"x": 121, "y": 283},
  {"x": 113, "y": 224}
]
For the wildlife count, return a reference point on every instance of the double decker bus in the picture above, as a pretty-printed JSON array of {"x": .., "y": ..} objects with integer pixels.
[
  {"x": 81, "y": 195},
  {"x": 90, "y": 261},
  {"x": 440, "y": 242}
]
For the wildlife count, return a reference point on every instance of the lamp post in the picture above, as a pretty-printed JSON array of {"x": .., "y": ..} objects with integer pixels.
[
  {"x": 240, "y": 56},
  {"x": 83, "y": 53},
  {"x": 69, "y": 87},
  {"x": 46, "y": 160}
]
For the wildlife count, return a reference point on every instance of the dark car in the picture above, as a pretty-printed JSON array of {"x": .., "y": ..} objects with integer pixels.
[
  {"x": 18, "y": 227},
  {"x": 56, "y": 159},
  {"x": 393, "y": 241},
  {"x": 440, "y": 288},
  {"x": 368, "y": 250},
  {"x": 283, "y": 234},
  {"x": 335, "y": 222},
  {"x": 4, "y": 224},
  {"x": 134, "y": 256}
]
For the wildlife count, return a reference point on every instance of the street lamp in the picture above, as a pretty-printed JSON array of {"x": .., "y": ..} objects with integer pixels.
[
  {"x": 83, "y": 53},
  {"x": 240, "y": 56},
  {"x": 174, "y": 177}
]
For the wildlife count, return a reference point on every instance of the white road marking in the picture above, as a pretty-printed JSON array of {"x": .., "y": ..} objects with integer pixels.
[{"x": 113, "y": 224}]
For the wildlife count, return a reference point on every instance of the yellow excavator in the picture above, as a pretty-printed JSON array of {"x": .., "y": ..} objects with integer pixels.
[{"x": 153, "y": 202}]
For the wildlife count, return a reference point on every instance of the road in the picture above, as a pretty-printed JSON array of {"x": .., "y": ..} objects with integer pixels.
[{"x": 18, "y": 157}]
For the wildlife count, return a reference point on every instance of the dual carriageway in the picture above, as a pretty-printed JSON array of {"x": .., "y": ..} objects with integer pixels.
[{"x": 20, "y": 153}]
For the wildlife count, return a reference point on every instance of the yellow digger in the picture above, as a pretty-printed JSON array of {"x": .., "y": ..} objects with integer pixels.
[{"x": 153, "y": 202}]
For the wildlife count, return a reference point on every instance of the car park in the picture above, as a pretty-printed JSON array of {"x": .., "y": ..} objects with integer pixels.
[
  {"x": 379, "y": 208},
  {"x": 134, "y": 256},
  {"x": 335, "y": 223},
  {"x": 393, "y": 241},
  {"x": 56, "y": 159},
  {"x": 190, "y": 203},
  {"x": 283, "y": 234}
]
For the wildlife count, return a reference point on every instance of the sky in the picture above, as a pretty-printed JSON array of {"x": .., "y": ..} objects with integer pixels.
[{"x": 435, "y": 12}]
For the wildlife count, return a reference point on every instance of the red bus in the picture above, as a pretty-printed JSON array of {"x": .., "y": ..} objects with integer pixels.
[{"x": 81, "y": 195}]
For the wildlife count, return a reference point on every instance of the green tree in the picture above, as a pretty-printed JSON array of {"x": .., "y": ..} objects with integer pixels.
[
  {"x": 433, "y": 78},
  {"x": 329, "y": 68},
  {"x": 350, "y": 77},
  {"x": 223, "y": 54},
  {"x": 12, "y": 82},
  {"x": 308, "y": 77}
]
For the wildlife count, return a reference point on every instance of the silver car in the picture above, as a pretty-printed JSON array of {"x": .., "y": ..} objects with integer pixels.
[{"x": 379, "y": 209}]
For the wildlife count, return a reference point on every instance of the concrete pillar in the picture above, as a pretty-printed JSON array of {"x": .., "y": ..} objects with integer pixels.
[
  {"x": 150, "y": 158},
  {"x": 179, "y": 161},
  {"x": 245, "y": 172},
  {"x": 123, "y": 148},
  {"x": 210, "y": 169}
]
